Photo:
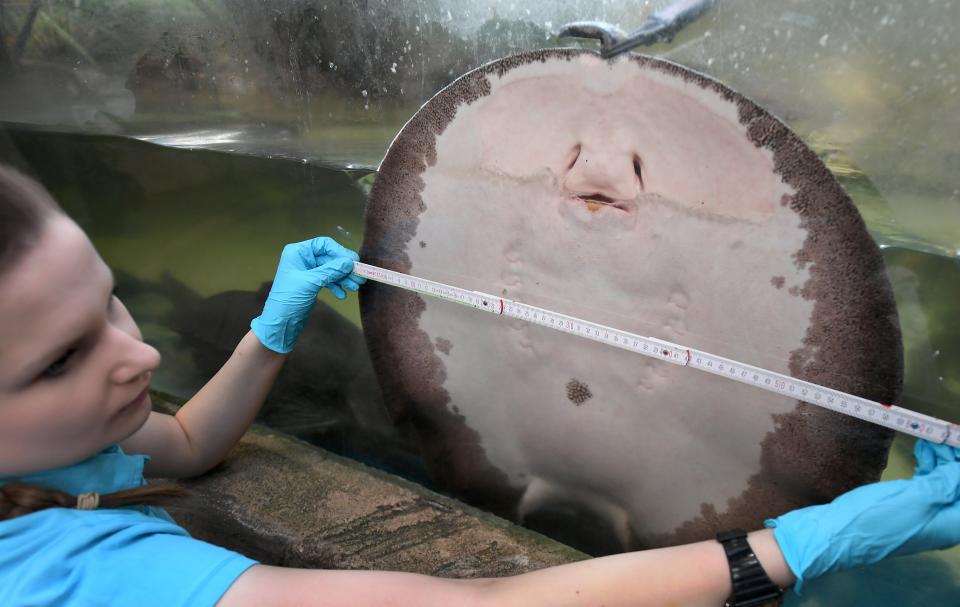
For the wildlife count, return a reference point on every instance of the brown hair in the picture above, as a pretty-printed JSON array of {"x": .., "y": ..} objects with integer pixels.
[
  {"x": 25, "y": 207},
  {"x": 17, "y": 499}
]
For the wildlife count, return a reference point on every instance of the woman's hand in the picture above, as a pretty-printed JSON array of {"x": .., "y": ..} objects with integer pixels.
[
  {"x": 305, "y": 268},
  {"x": 866, "y": 525}
]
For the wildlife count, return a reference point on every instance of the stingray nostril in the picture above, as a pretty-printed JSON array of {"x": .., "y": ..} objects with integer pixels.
[
  {"x": 637, "y": 168},
  {"x": 572, "y": 156}
]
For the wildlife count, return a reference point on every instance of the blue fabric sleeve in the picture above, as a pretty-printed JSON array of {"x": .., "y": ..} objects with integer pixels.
[{"x": 102, "y": 558}]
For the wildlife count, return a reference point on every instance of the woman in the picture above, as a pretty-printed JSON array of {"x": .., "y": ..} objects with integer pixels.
[{"x": 77, "y": 436}]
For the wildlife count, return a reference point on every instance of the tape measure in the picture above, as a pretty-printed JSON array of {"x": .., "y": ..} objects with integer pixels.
[{"x": 889, "y": 416}]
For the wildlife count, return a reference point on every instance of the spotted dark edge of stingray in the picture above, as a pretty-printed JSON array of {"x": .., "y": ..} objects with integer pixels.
[{"x": 847, "y": 281}]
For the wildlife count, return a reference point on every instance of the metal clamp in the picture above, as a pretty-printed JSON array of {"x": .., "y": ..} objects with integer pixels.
[{"x": 662, "y": 26}]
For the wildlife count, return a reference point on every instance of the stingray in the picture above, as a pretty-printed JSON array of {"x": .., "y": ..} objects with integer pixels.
[{"x": 639, "y": 194}]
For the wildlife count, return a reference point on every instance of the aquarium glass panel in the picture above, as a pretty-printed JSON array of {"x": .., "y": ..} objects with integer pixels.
[{"x": 192, "y": 139}]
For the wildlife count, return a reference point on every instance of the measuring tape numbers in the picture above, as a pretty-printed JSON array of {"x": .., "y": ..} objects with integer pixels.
[{"x": 889, "y": 416}]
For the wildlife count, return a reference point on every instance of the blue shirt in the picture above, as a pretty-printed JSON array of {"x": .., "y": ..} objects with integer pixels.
[{"x": 133, "y": 556}]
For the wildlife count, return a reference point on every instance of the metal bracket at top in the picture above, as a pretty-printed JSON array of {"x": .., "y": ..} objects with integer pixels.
[{"x": 662, "y": 26}]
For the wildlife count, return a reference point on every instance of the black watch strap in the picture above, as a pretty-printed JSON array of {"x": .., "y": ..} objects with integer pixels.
[{"x": 751, "y": 585}]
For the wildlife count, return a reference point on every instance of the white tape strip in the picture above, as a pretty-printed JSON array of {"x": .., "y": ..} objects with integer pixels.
[{"x": 890, "y": 416}]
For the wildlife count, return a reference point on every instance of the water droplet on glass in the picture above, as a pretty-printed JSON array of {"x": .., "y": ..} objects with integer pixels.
[
  {"x": 823, "y": 40},
  {"x": 393, "y": 68}
]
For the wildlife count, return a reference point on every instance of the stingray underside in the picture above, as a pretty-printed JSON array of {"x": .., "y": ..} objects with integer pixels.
[{"x": 641, "y": 195}]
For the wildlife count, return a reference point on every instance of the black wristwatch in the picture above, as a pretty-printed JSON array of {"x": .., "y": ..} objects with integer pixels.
[{"x": 751, "y": 585}]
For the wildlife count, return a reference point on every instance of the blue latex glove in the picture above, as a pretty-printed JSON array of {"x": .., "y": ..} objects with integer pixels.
[
  {"x": 305, "y": 268},
  {"x": 867, "y": 524}
]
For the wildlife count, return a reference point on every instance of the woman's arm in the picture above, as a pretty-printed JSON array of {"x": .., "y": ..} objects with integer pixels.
[
  {"x": 690, "y": 575},
  {"x": 209, "y": 424},
  {"x": 693, "y": 574},
  {"x": 858, "y": 528}
]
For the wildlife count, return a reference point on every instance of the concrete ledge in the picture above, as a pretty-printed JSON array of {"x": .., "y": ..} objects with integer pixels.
[{"x": 284, "y": 502}]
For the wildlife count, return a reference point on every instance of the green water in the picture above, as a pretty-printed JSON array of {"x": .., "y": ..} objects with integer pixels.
[{"x": 180, "y": 228}]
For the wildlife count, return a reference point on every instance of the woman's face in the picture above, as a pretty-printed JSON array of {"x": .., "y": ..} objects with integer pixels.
[{"x": 74, "y": 369}]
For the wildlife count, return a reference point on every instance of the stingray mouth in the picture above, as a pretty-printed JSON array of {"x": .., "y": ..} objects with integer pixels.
[{"x": 595, "y": 202}]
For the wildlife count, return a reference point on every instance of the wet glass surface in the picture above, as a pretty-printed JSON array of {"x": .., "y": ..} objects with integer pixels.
[
  {"x": 193, "y": 236},
  {"x": 873, "y": 86},
  {"x": 264, "y": 114}
]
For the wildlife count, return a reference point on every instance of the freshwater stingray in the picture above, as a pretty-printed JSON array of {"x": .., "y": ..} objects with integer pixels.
[{"x": 642, "y": 195}]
